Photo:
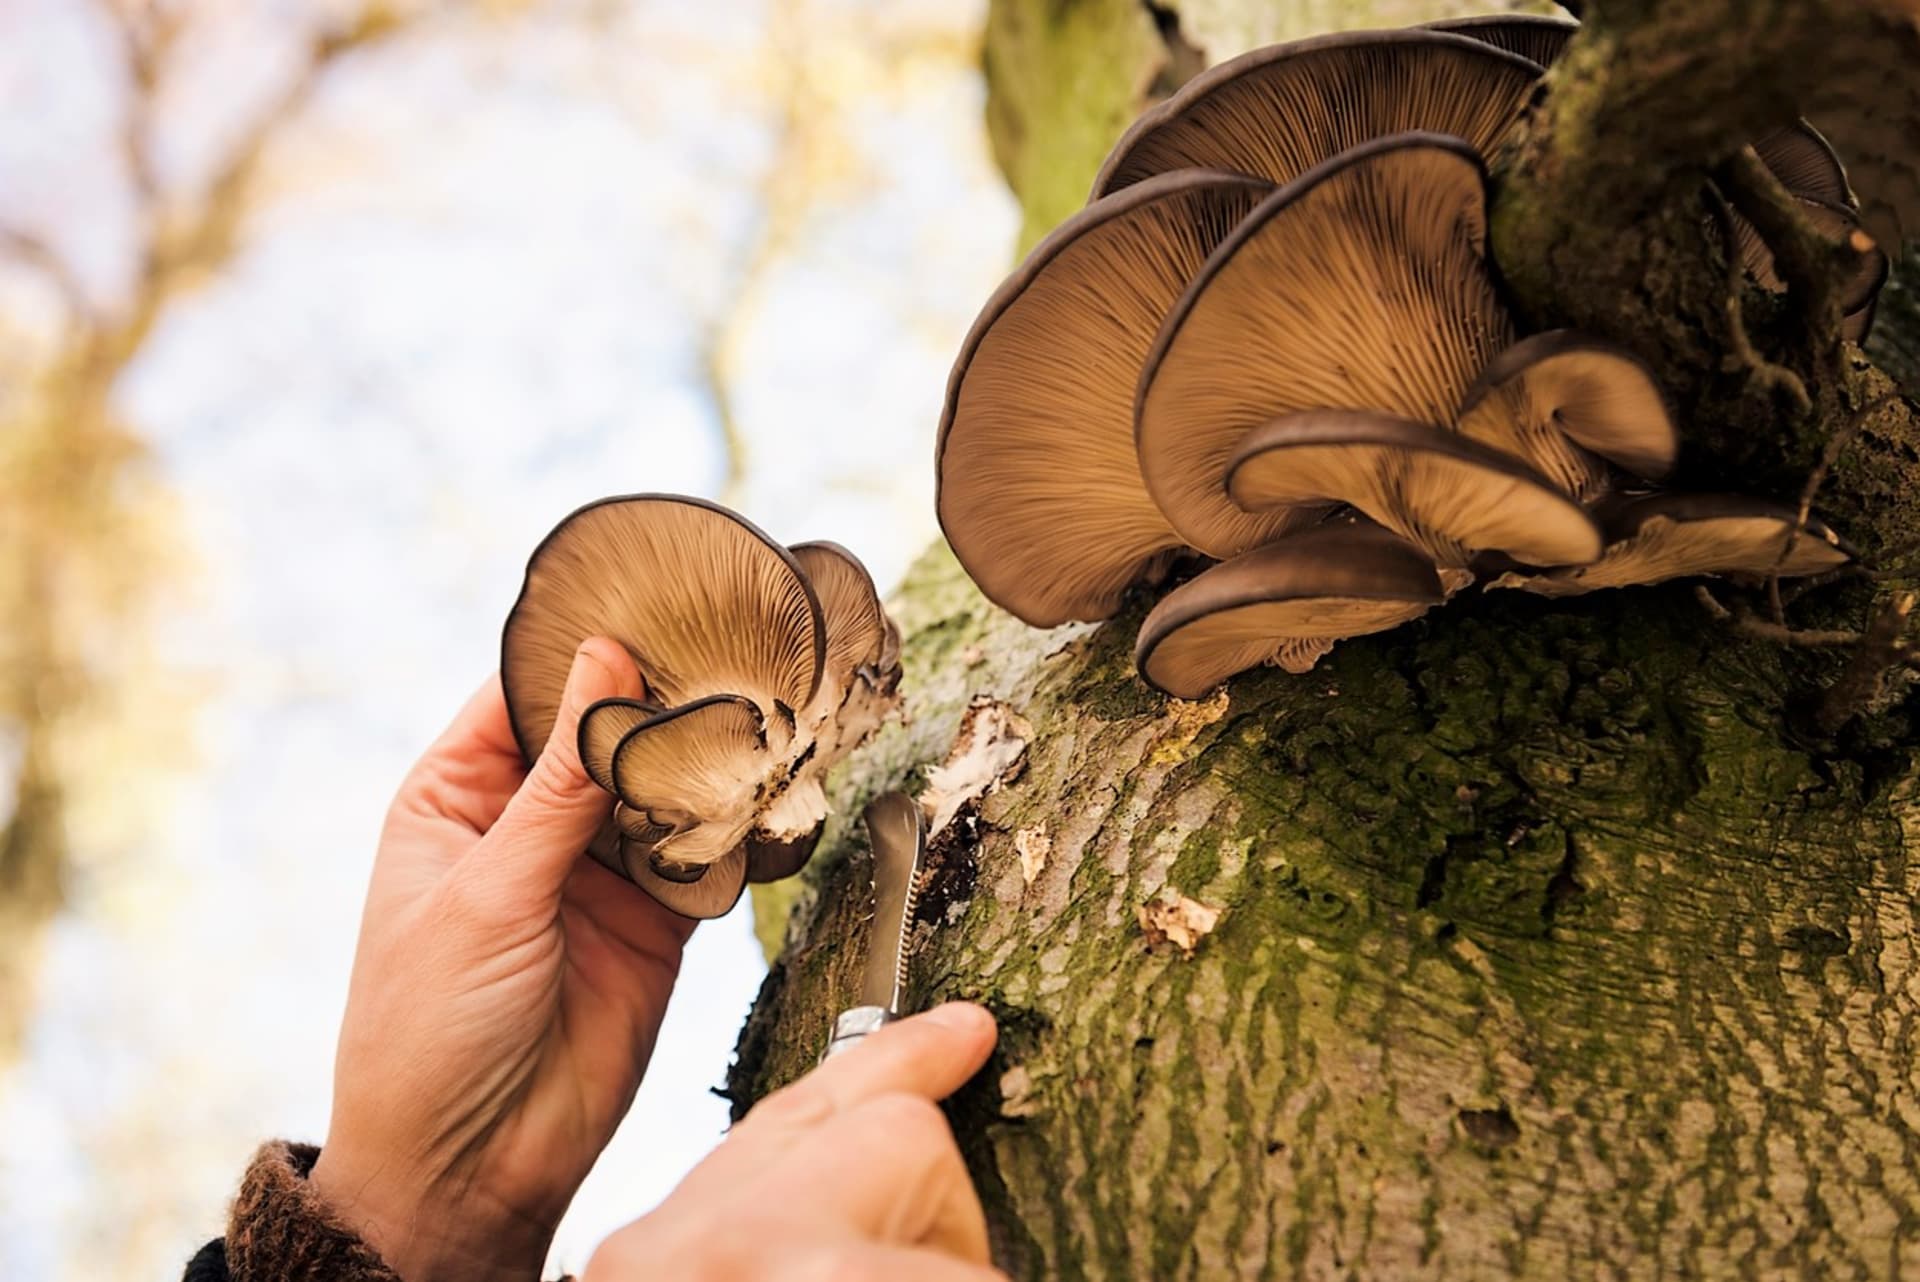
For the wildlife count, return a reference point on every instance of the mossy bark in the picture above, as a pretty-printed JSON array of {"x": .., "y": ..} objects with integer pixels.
[{"x": 1554, "y": 942}]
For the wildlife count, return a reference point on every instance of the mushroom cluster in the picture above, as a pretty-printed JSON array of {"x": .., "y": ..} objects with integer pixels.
[
  {"x": 1272, "y": 346},
  {"x": 764, "y": 665}
]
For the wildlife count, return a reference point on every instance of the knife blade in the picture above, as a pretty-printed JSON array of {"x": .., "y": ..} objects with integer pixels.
[{"x": 897, "y": 834}]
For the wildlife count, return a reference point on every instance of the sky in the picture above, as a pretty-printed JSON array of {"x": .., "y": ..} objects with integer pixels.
[{"x": 479, "y": 284}]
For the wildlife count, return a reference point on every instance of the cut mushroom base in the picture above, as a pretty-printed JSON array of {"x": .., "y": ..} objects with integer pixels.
[
  {"x": 1657, "y": 537},
  {"x": 1284, "y": 602},
  {"x": 1450, "y": 496},
  {"x": 1039, "y": 413},
  {"x": 1310, "y": 305},
  {"x": 1277, "y": 112}
]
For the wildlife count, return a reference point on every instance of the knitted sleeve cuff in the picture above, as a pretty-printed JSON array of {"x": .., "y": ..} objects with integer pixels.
[{"x": 281, "y": 1231}]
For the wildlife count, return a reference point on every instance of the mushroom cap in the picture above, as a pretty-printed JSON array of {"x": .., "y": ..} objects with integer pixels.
[
  {"x": 1446, "y": 494},
  {"x": 1535, "y": 37},
  {"x": 712, "y": 894},
  {"x": 1285, "y": 600},
  {"x": 770, "y": 859},
  {"x": 856, "y": 622},
  {"x": 705, "y": 603},
  {"x": 1671, "y": 535},
  {"x": 695, "y": 770},
  {"x": 1277, "y": 112},
  {"x": 1564, "y": 384},
  {"x": 1038, "y": 485},
  {"x": 1360, "y": 285},
  {"x": 602, "y": 726}
]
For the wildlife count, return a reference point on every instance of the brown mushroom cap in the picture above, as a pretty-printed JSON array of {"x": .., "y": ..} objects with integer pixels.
[
  {"x": 1535, "y": 37},
  {"x": 697, "y": 770},
  {"x": 1561, "y": 385},
  {"x": 856, "y": 622},
  {"x": 705, "y": 602},
  {"x": 712, "y": 894},
  {"x": 769, "y": 859},
  {"x": 1038, "y": 485},
  {"x": 1361, "y": 285},
  {"x": 1446, "y": 494},
  {"x": 602, "y": 726},
  {"x": 1656, "y": 537},
  {"x": 1277, "y": 112},
  {"x": 1283, "y": 601}
]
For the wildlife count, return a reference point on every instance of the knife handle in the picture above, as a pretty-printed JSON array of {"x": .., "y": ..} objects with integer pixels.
[{"x": 855, "y": 1026}]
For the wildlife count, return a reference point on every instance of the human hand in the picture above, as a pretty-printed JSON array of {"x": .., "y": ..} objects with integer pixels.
[
  {"x": 505, "y": 999},
  {"x": 848, "y": 1175}
]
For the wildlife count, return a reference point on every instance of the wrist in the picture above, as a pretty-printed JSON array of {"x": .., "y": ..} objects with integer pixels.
[{"x": 426, "y": 1233}]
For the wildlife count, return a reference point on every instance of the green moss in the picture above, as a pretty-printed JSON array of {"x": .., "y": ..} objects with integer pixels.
[{"x": 1064, "y": 79}]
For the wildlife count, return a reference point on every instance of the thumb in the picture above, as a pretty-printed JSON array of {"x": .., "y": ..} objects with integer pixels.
[{"x": 557, "y": 811}]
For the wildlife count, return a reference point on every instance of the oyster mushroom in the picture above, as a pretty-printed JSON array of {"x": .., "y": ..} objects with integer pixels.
[
  {"x": 1284, "y": 603},
  {"x": 1361, "y": 285},
  {"x": 1443, "y": 492},
  {"x": 1655, "y": 537},
  {"x": 1276, "y": 112},
  {"x": 1562, "y": 386},
  {"x": 751, "y": 676},
  {"x": 1039, "y": 413}
]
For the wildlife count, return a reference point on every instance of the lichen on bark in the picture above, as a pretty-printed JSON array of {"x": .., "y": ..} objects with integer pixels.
[{"x": 1552, "y": 943}]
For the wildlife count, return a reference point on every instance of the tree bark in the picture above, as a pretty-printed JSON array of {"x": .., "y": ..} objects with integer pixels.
[{"x": 1555, "y": 939}]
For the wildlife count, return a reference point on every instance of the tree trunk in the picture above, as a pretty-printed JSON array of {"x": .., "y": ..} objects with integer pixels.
[{"x": 1554, "y": 939}]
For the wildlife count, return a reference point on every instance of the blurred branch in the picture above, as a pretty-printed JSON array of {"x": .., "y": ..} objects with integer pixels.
[
  {"x": 64, "y": 527},
  {"x": 780, "y": 200},
  {"x": 37, "y": 255}
]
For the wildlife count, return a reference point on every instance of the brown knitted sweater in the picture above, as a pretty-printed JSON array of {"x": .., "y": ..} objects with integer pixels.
[{"x": 280, "y": 1230}]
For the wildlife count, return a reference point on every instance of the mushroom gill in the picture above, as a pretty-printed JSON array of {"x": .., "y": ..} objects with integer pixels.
[
  {"x": 1039, "y": 414},
  {"x": 1361, "y": 286},
  {"x": 1276, "y": 112},
  {"x": 1446, "y": 494},
  {"x": 1551, "y": 391}
]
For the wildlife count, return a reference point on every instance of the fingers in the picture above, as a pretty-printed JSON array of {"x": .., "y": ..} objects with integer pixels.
[
  {"x": 888, "y": 1171},
  {"x": 556, "y": 812},
  {"x": 850, "y": 1175},
  {"x": 929, "y": 1055},
  {"x": 891, "y": 1264}
]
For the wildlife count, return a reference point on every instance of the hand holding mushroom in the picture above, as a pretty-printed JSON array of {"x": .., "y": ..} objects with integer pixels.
[
  {"x": 505, "y": 999},
  {"x": 1274, "y": 340},
  {"x": 763, "y": 665}
]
